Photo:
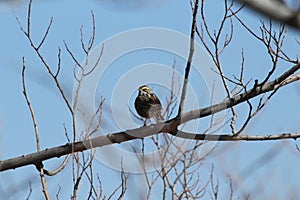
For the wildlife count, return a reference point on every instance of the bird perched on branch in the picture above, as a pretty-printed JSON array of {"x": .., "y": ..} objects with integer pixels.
[{"x": 148, "y": 105}]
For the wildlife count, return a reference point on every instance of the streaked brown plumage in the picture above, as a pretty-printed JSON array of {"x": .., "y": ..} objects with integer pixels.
[{"x": 147, "y": 104}]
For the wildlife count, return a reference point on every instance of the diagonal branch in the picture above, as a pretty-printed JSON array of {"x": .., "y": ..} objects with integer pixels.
[
  {"x": 282, "y": 80},
  {"x": 190, "y": 58},
  {"x": 169, "y": 126},
  {"x": 275, "y": 10}
]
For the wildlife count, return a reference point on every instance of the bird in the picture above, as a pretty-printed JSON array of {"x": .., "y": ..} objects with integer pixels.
[{"x": 148, "y": 105}]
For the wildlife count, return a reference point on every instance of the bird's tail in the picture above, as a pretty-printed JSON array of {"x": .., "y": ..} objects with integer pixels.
[{"x": 158, "y": 117}]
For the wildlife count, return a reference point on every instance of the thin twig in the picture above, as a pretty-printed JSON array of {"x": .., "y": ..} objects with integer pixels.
[
  {"x": 46, "y": 34},
  {"x": 38, "y": 164}
]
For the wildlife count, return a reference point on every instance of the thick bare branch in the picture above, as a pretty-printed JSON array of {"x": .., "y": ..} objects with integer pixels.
[
  {"x": 190, "y": 58},
  {"x": 275, "y": 10},
  {"x": 169, "y": 126}
]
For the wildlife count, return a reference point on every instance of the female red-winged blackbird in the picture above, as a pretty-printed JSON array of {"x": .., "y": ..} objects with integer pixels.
[{"x": 147, "y": 104}]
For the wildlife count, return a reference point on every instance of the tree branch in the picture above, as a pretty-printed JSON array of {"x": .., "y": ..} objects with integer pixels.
[
  {"x": 169, "y": 126},
  {"x": 190, "y": 58},
  {"x": 275, "y": 10}
]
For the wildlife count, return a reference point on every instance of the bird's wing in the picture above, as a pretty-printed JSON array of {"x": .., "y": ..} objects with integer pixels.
[{"x": 154, "y": 100}]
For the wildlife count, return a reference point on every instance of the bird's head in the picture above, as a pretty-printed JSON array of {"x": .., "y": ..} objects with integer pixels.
[{"x": 144, "y": 89}]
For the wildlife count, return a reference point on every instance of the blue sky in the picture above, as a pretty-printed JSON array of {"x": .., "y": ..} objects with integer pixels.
[{"x": 16, "y": 132}]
